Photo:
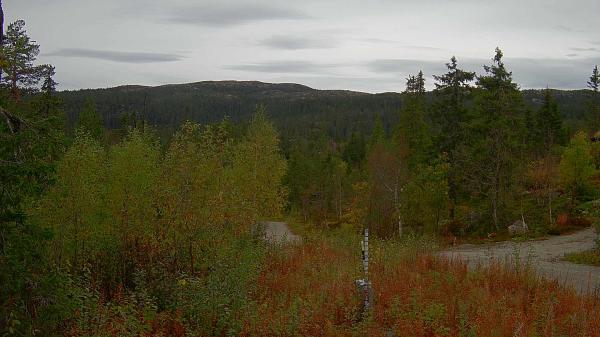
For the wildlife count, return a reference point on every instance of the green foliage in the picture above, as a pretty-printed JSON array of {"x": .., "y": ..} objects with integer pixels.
[
  {"x": 451, "y": 120},
  {"x": 73, "y": 208},
  {"x": 355, "y": 151},
  {"x": 212, "y": 305},
  {"x": 258, "y": 168},
  {"x": 548, "y": 129},
  {"x": 589, "y": 257},
  {"x": 413, "y": 129},
  {"x": 594, "y": 82},
  {"x": 593, "y": 103},
  {"x": 577, "y": 166},
  {"x": 132, "y": 173},
  {"x": 495, "y": 133},
  {"x": 426, "y": 197},
  {"x": 20, "y": 53},
  {"x": 90, "y": 120},
  {"x": 32, "y": 295}
]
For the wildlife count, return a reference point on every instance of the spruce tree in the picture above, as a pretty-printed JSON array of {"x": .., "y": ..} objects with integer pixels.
[
  {"x": 549, "y": 124},
  {"x": 378, "y": 135},
  {"x": 594, "y": 81},
  {"x": 593, "y": 113},
  {"x": 495, "y": 134},
  {"x": 450, "y": 116},
  {"x": 413, "y": 130},
  {"x": 354, "y": 152}
]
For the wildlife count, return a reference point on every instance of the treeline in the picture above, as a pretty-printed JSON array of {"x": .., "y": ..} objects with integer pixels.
[
  {"x": 297, "y": 111},
  {"x": 472, "y": 159}
]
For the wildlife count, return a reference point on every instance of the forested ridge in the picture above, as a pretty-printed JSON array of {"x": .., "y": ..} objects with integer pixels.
[
  {"x": 291, "y": 106},
  {"x": 137, "y": 211}
]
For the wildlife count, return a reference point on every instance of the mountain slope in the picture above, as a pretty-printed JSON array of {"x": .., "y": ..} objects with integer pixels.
[{"x": 294, "y": 108}]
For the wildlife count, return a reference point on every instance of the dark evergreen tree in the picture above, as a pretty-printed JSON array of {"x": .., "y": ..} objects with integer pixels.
[
  {"x": 90, "y": 120},
  {"x": 1, "y": 38},
  {"x": 413, "y": 132},
  {"x": 30, "y": 141},
  {"x": 450, "y": 115},
  {"x": 48, "y": 102},
  {"x": 593, "y": 113},
  {"x": 378, "y": 135},
  {"x": 549, "y": 124},
  {"x": 495, "y": 135},
  {"x": 594, "y": 81},
  {"x": 354, "y": 152}
]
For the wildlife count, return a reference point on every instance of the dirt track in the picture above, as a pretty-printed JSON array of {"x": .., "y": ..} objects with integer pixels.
[{"x": 545, "y": 256}]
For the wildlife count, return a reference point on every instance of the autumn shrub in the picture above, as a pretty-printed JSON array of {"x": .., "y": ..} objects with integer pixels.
[
  {"x": 213, "y": 303},
  {"x": 309, "y": 290}
]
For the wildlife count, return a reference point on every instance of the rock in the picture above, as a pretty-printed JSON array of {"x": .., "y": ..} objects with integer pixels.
[{"x": 518, "y": 227}]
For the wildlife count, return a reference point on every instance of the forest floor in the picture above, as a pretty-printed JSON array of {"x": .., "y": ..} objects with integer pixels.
[
  {"x": 545, "y": 256},
  {"x": 279, "y": 232}
]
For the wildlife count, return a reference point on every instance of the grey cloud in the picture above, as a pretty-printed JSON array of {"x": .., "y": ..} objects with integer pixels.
[
  {"x": 572, "y": 55},
  {"x": 413, "y": 47},
  {"x": 585, "y": 49},
  {"x": 529, "y": 73},
  {"x": 283, "y": 67},
  {"x": 221, "y": 15},
  {"x": 295, "y": 42},
  {"x": 565, "y": 28},
  {"x": 117, "y": 56},
  {"x": 405, "y": 66}
]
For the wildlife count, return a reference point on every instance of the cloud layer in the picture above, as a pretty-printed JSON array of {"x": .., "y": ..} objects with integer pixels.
[
  {"x": 298, "y": 42},
  {"x": 226, "y": 15},
  {"x": 334, "y": 44},
  {"x": 284, "y": 67},
  {"x": 117, "y": 56}
]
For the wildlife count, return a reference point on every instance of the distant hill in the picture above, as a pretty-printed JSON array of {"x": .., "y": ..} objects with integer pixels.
[{"x": 295, "y": 108}]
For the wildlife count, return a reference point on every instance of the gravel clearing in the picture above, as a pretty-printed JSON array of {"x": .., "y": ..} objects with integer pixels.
[{"x": 546, "y": 256}]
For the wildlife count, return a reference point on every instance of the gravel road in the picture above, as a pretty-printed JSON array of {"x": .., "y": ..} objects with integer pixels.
[
  {"x": 546, "y": 257},
  {"x": 279, "y": 232}
]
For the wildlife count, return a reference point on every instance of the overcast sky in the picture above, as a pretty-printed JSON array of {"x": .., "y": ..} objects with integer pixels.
[{"x": 341, "y": 44}]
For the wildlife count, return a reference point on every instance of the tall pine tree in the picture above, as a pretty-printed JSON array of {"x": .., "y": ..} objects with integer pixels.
[{"x": 19, "y": 53}]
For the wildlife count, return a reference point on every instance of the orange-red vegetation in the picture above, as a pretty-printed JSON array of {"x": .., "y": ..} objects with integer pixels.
[{"x": 309, "y": 290}]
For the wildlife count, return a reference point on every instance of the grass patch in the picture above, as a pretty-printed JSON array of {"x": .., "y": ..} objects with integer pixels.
[{"x": 589, "y": 257}]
